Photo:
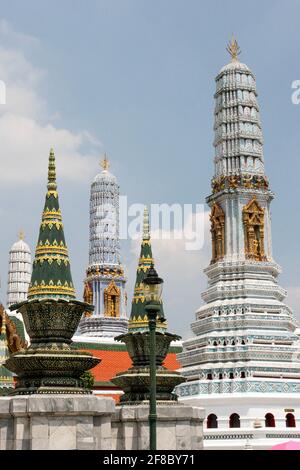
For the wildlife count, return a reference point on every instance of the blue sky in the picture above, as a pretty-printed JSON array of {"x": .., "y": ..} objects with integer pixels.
[{"x": 135, "y": 79}]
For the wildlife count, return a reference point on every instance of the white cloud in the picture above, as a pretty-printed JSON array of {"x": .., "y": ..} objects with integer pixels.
[
  {"x": 11, "y": 37},
  {"x": 25, "y": 146},
  {"x": 26, "y": 129}
]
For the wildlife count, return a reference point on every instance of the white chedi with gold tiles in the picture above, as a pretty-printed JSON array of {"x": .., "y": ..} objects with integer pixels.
[
  {"x": 243, "y": 364},
  {"x": 19, "y": 271},
  {"x": 104, "y": 285}
]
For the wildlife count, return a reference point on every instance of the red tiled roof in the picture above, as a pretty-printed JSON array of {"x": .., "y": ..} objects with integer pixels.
[{"x": 113, "y": 362}]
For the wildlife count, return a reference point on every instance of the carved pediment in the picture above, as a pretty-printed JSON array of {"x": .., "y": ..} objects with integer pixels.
[
  {"x": 112, "y": 289},
  {"x": 253, "y": 218},
  {"x": 253, "y": 209},
  {"x": 112, "y": 297}
]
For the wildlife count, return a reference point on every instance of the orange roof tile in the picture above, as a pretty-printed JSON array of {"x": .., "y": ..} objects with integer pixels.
[{"x": 113, "y": 362}]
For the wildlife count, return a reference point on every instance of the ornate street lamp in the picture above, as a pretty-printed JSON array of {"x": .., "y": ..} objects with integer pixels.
[{"x": 153, "y": 291}]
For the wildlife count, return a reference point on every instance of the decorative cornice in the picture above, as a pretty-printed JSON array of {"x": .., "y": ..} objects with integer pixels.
[
  {"x": 51, "y": 289},
  {"x": 54, "y": 249}
]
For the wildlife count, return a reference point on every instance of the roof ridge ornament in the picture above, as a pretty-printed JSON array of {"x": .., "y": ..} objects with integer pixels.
[{"x": 234, "y": 49}]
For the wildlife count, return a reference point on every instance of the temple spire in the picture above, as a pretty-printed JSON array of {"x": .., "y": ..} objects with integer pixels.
[
  {"x": 138, "y": 318},
  {"x": 19, "y": 271},
  {"x": 51, "y": 274},
  {"x": 238, "y": 134},
  {"x": 104, "y": 285}
]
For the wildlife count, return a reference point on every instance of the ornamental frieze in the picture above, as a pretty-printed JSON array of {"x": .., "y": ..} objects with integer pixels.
[
  {"x": 239, "y": 181},
  {"x": 236, "y": 387}
]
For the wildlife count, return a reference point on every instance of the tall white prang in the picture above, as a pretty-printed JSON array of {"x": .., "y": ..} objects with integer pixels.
[
  {"x": 243, "y": 364},
  {"x": 19, "y": 271},
  {"x": 104, "y": 286}
]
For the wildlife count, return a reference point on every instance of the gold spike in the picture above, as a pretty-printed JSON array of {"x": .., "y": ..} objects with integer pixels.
[
  {"x": 234, "y": 49},
  {"x": 105, "y": 163},
  {"x": 21, "y": 235}
]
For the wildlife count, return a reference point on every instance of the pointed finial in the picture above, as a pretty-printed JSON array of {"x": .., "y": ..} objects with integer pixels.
[
  {"x": 21, "y": 235},
  {"x": 146, "y": 225},
  {"x": 52, "y": 172},
  {"x": 105, "y": 163},
  {"x": 234, "y": 49}
]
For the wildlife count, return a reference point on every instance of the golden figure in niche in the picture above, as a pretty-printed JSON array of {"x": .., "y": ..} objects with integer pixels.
[
  {"x": 254, "y": 230},
  {"x": 88, "y": 297},
  {"x": 217, "y": 219},
  {"x": 112, "y": 301},
  {"x": 87, "y": 293}
]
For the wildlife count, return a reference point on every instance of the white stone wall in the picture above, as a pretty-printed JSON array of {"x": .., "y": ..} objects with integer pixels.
[
  {"x": 55, "y": 422},
  {"x": 178, "y": 427},
  {"x": 252, "y": 409},
  {"x": 87, "y": 422}
]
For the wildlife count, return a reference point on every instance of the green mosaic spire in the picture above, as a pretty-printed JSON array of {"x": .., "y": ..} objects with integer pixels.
[
  {"x": 51, "y": 274},
  {"x": 138, "y": 318}
]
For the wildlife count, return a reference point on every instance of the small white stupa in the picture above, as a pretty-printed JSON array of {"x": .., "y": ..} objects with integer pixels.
[{"x": 19, "y": 271}]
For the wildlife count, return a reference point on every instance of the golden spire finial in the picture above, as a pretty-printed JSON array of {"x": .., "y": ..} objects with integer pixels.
[
  {"x": 21, "y": 235},
  {"x": 234, "y": 49},
  {"x": 105, "y": 163}
]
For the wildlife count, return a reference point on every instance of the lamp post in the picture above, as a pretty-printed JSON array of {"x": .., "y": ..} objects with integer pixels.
[{"x": 153, "y": 291}]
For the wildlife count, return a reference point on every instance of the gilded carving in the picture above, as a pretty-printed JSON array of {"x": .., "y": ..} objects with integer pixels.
[
  {"x": 112, "y": 300},
  {"x": 88, "y": 297},
  {"x": 217, "y": 219},
  {"x": 239, "y": 181},
  {"x": 253, "y": 219},
  {"x": 14, "y": 341},
  {"x": 87, "y": 293}
]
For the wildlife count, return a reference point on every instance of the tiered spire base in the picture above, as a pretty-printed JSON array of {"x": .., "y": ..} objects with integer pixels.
[
  {"x": 136, "y": 381},
  {"x": 50, "y": 365}
]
